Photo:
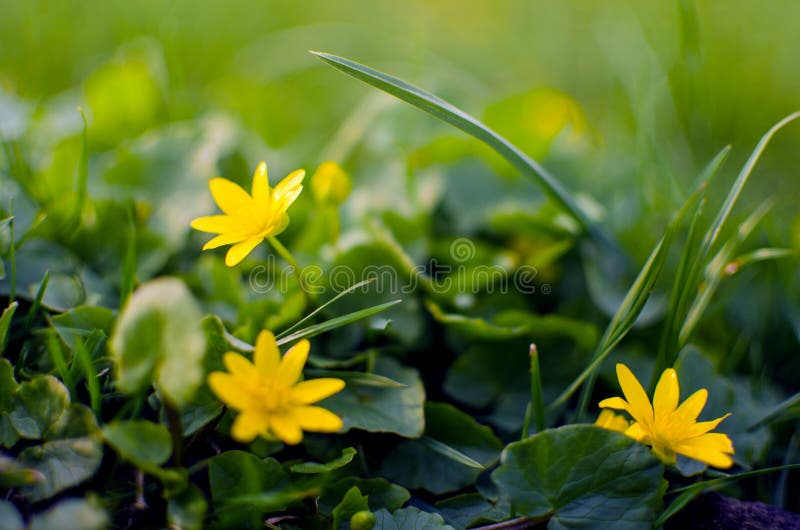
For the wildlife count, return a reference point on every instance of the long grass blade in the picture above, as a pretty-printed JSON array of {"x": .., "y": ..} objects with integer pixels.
[
  {"x": 689, "y": 493},
  {"x": 5, "y": 323},
  {"x": 454, "y": 116},
  {"x": 328, "y": 325},
  {"x": 311, "y": 315},
  {"x": 451, "y": 453}
]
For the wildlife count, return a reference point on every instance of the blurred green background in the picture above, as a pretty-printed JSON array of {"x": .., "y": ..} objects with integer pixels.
[{"x": 624, "y": 101}]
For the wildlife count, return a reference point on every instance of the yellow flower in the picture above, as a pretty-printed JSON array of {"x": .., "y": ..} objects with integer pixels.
[
  {"x": 271, "y": 401},
  {"x": 330, "y": 184},
  {"x": 612, "y": 422},
  {"x": 671, "y": 429},
  {"x": 249, "y": 219}
]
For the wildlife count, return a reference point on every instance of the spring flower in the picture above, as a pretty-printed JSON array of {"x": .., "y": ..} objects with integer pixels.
[
  {"x": 671, "y": 429},
  {"x": 269, "y": 395},
  {"x": 613, "y": 422},
  {"x": 249, "y": 218},
  {"x": 330, "y": 184}
]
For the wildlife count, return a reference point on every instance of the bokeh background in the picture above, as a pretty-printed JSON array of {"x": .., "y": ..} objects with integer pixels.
[{"x": 625, "y": 101}]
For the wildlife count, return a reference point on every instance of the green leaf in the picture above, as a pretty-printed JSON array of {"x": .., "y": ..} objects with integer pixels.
[
  {"x": 582, "y": 476},
  {"x": 187, "y": 510},
  {"x": 10, "y": 518},
  {"x": 8, "y": 387},
  {"x": 515, "y": 324},
  {"x": 381, "y": 409},
  {"x": 38, "y": 405},
  {"x": 71, "y": 514},
  {"x": 312, "y": 468},
  {"x": 13, "y": 475},
  {"x": 71, "y": 452},
  {"x": 409, "y": 518},
  {"x": 79, "y": 322},
  {"x": 145, "y": 444},
  {"x": 158, "y": 335},
  {"x": 460, "y": 119},
  {"x": 380, "y": 492},
  {"x": 470, "y": 509},
  {"x": 5, "y": 322},
  {"x": 352, "y": 503},
  {"x": 357, "y": 378},
  {"x": 237, "y": 474},
  {"x": 451, "y": 455},
  {"x": 63, "y": 463}
]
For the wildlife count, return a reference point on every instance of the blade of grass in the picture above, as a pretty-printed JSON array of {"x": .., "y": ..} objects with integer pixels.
[
  {"x": 84, "y": 359},
  {"x": 451, "y": 453},
  {"x": 60, "y": 362},
  {"x": 317, "y": 329},
  {"x": 715, "y": 271},
  {"x": 536, "y": 410},
  {"x": 37, "y": 301},
  {"x": 778, "y": 411},
  {"x": 741, "y": 180},
  {"x": 328, "y": 325},
  {"x": 454, "y": 116},
  {"x": 12, "y": 256},
  {"x": 357, "y": 378},
  {"x": 689, "y": 493},
  {"x": 311, "y": 315},
  {"x": 629, "y": 310},
  {"x": 5, "y": 323}
]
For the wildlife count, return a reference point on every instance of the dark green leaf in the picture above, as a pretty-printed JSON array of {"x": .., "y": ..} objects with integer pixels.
[
  {"x": 352, "y": 503},
  {"x": 409, "y": 518},
  {"x": 187, "y": 510},
  {"x": 312, "y": 468},
  {"x": 582, "y": 476},
  {"x": 143, "y": 443},
  {"x": 397, "y": 410}
]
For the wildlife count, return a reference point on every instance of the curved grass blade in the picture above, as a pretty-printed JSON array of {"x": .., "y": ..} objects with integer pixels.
[
  {"x": 328, "y": 325},
  {"x": 689, "y": 493},
  {"x": 453, "y": 454},
  {"x": 5, "y": 323},
  {"x": 454, "y": 116},
  {"x": 316, "y": 329},
  {"x": 308, "y": 317}
]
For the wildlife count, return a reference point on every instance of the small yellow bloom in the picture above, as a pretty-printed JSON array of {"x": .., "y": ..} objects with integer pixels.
[
  {"x": 272, "y": 400},
  {"x": 330, "y": 184},
  {"x": 671, "y": 429},
  {"x": 613, "y": 422},
  {"x": 249, "y": 219}
]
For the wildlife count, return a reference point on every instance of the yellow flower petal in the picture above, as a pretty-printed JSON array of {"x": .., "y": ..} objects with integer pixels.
[
  {"x": 291, "y": 366},
  {"x": 287, "y": 190},
  {"x": 215, "y": 224},
  {"x": 616, "y": 403},
  {"x": 636, "y": 432},
  {"x": 613, "y": 422},
  {"x": 313, "y": 390},
  {"x": 317, "y": 419},
  {"x": 229, "y": 390},
  {"x": 714, "y": 449},
  {"x": 266, "y": 355},
  {"x": 691, "y": 408},
  {"x": 224, "y": 239},
  {"x": 286, "y": 427},
  {"x": 260, "y": 188},
  {"x": 278, "y": 225},
  {"x": 703, "y": 427},
  {"x": 248, "y": 425},
  {"x": 240, "y": 368},
  {"x": 240, "y": 250},
  {"x": 230, "y": 197},
  {"x": 665, "y": 399},
  {"x": 637, "y": 399}
]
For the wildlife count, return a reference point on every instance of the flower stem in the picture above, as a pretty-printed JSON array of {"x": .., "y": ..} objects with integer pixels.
[
  {"x": 175, "y": 430},
  {"x": 287, "y": 256}
]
